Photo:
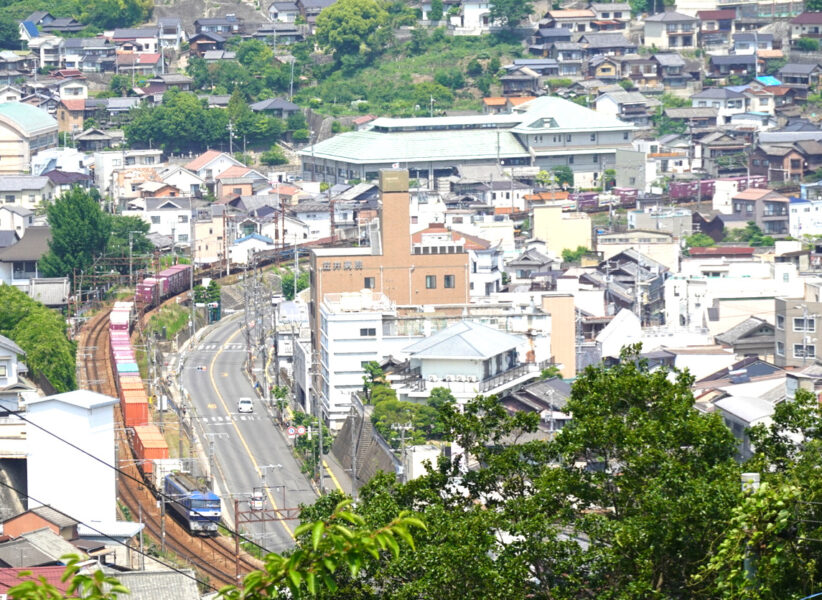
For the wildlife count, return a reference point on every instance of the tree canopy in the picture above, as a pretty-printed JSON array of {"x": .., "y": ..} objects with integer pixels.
[
  {"x": 80, "y": 231},
  {"x": 41, "y": 333},
  {"x": 510, "y": 12},
  {"x": 353, "y": 29}
]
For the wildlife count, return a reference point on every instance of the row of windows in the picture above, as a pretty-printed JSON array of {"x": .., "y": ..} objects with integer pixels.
[
  {"x": 800, "y": 324},
  {"x": 448, "y": 281},
  {"x": 799, "y": 350}
]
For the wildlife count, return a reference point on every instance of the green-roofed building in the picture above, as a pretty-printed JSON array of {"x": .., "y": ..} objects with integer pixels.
[
  {"x": 542, "y": 134},
  {"x": 24, "y": 130}
]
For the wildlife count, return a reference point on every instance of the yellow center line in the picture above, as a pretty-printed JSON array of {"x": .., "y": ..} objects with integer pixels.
[
  {"x": 333, "y": 477},
  {"x": 240, "y": 435}
]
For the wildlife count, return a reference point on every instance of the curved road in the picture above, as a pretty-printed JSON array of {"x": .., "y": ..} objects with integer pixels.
[{"x": 243, "y": 443}]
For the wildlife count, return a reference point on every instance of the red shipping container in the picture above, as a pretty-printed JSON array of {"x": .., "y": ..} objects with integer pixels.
[
  {"x": 149, "y": 445},
  {"x": 135, "y": 410}
]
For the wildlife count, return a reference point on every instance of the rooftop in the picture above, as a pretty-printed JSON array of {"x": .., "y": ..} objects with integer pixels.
[
  {"x": 30, "y": 119},
  {"x": 466, "y": 339},
  {"x": 80, "y": 398}
]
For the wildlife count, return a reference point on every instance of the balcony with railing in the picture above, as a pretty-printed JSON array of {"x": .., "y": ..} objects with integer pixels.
[{"x": 411, "y": 382}]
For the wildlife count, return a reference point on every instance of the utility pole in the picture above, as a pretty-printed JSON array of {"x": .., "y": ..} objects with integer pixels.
[
  {"x": 402, "y": 428},
  {"x": 315, "y": 389},
  {"x": 192, "y": 240},
  {"x": 296, "y": 267},
  {"x": 230, "y": 138}
]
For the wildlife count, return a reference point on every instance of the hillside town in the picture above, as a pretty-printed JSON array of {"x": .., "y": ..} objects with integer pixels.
[{"x": 554, "y": 295}]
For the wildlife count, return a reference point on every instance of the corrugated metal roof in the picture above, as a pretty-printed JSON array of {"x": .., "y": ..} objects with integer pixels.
[{"x": 466, "y": 339}]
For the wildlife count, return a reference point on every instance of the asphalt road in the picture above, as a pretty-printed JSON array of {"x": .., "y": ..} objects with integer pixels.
[{"x": 243, "y": 443}]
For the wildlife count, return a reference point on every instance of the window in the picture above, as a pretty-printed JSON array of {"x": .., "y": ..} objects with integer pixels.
[
  {"x": 155, "y": 220},
  {"x": 3, "y": 372},
  {"x": 183, "y": 237},
  {"x": 448, "y": 281},
  {"x": 625, "y": 135},
  {"x": 570, "y": 160},
  {"x": 804, "y": 351},
  {"x": 593, "y": 137},
  {"x": 800, "y": 324},
  {"x": 595, "y": 158},
  {"x": 9, "y": 198},
  {"x": 430, "y": 282},
  {"x": 368, "y": 332},
  {"x": 369, "y": 283},
  {"x": 568, "y": 138}
]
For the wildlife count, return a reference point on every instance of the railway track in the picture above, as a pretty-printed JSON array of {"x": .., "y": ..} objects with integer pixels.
[{"x": 213, "y": 558}]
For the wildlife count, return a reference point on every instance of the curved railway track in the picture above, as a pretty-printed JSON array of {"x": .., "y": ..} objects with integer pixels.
[{"x": 213, "y": 558}]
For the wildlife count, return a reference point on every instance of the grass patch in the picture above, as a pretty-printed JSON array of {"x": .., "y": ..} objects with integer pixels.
[{"x": 173, "y": 317}]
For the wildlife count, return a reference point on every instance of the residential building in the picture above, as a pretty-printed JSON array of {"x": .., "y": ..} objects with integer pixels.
[
  {"x": 521, "y": 81},
  {"x": 24, "y": 130},
  {"x": 727, "y": 102},
  {"x": 740, "y": 414},
  {"x": 169, "y": 217},
  {"x": 49, "y": 51},
  {"x": 800, "y": 74},
  {"x": 606, "y": 43},
  {"x": 748, "y": 42},
  {"x": 797, "y": 337},
  {"x": 741, "y": 65},
  {"x": 782, "y": 163},
  {"x": 808, "y": 25},
  {"x": 659, "y": 246},
  {"x": 210, "y": 164},
  {"x": 561, "y": 230},
  {"x": 284, "y": 12},
  {"x": 721, "y": 154},
  {"x": 18, "y": 267},
  {"x": 716, "y": 27},
  {"x": 90, "y": 55},
  {"x": 671, "y": 29},
  {"x": 805, "y": 217},
  {"x": 631, "y": 107},
  {"x": 85, "y": 420},
  {"x": 576, "y": 20},
  {"x": 767, "y": 208},
  {"x": 27, "y": 191},
  {"x": 170, "y": 32},
  {"x": 618, "y": 13},
  {"x": 752, "y": 337},
  {"x": 200, "y": 43},
  {"x": 137, "y": 40},
  {"x": 276, "y": 107},
  {"x": 226, "y": 26},
  {"x": 545, "y": 132},
  {"x": 107, "y": 163}
]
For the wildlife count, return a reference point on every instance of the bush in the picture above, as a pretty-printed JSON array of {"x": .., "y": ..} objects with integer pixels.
[
  {"x": 807, "y": 45},
  {"x": 274, "y": 156},
  {"x": 301, "y": 135},
  {"x": 474, "y": 68},
  {"x": 555, "y": 84}
]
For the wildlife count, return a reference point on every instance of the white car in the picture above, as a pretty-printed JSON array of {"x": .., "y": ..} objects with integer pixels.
[{"x": 244, "y": 405}]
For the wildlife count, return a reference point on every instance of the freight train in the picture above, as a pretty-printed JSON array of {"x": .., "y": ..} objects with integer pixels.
[
  {"x": 146, "y": 441},
  {"x": 167, "y": 283},
  {"x": 195, "y": 506}
]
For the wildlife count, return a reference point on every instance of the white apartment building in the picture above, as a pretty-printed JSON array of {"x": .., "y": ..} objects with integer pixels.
[
  {"x": 106, "y": 164},
  {"x": 352, "y": 334},
  {"x": 718, "y": 293},
  {"x": 166, "y": 216},
  {"x": 805, "y": 217}
]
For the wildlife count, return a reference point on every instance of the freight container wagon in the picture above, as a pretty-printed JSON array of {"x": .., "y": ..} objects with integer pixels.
[
  {"x": 626, "y": 196},
  {"x": 135, "y": 409},
  {"x": 148, "y": 292},
  {"x": 149, "y": 445},
  {"x": 127, "y": 367},
  {"x": 177, "y": 279},
  {"x": 119, "y": 321}
]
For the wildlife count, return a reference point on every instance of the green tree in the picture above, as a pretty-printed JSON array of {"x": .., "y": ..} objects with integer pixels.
[
  {"x": 474, "y": 68},
  {"x": 511, "y": 12},
  {"x": 200, "y": 296},
  {"x": 665, "y": 471},
  {"x": 435, "y": 14},
  {"x": 351, "y": 27},
  {"x": 141, "y": 248},
  {"x": 80, "y": 231},
  {"x": 287, "y": 279},
  {"x": 9, "y": 34},
  {"x": 41, "y": 334},
  {"x": 120, "y": 85},
  {"x": 574, "y": 256},
  {"x": 699, "y": 240},
  {"x": 751, "y": 234},
  {"x": 274, "y": 156},
  {"x": 213, "y": 291},
  {"x": 804, "y": 44},
  {"x": 564, "y": 176},
  {"x": 296, "y": 120}
]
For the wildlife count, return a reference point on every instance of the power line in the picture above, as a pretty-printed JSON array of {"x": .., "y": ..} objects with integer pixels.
[
  {"x": 107, "y": 536},
  {"x": 117, "y": 469}
]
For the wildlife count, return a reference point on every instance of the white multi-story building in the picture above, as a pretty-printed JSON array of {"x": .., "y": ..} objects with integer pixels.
[
  {"x": 352, "y": 334},
  {"x": 106, "y": 164},
  {"x": 718, "y": 293},
  {"x": 805, "y": 217}
]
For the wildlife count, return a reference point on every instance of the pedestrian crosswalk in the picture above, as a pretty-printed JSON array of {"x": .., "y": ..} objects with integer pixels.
[
  {"x": 227, "y": 420},
  {"x": 224, "y": 347}
]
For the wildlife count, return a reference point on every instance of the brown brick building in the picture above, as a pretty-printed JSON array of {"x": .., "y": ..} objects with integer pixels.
[{"x": 407, "y": 273}]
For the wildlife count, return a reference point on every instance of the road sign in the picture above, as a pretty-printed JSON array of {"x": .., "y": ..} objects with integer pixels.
[
  {"x": 300, "y": 430},
  {"x": 291, "y": 431}
]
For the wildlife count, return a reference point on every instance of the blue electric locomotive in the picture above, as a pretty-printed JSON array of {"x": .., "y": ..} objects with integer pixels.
[{"x": 197, "y": 507}]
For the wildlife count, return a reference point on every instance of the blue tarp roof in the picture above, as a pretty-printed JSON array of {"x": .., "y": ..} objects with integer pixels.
[{"x": 768, "y": 80}]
